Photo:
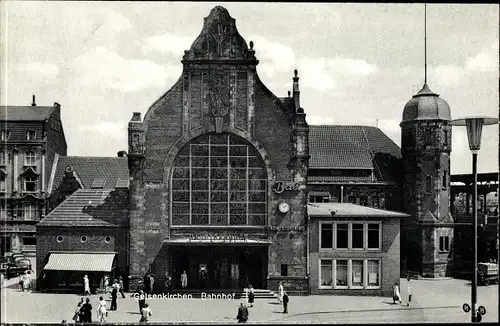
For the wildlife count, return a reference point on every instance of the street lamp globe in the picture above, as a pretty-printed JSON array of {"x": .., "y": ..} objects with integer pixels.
[{"x": 474, "y": 126}]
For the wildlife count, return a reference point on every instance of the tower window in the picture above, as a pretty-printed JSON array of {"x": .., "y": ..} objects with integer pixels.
[
  {"x": 445, "y": 180},
  {"x": 30, "y": 135},
  {"x": 444, "y": 244},
  {"x": 428, "y": 137},
  {"x": 446, "y": 137},
  {"x": 284, "y": 270}
]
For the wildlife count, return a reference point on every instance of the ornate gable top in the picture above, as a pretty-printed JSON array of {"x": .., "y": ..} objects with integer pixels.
[{"x": 220, "y": 40}]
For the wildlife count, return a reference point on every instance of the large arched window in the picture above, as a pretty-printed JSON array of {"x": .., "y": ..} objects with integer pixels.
[{"x": 219, "y": 179}]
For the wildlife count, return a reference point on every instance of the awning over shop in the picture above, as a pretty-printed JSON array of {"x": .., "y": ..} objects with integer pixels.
[
  {"x": 82, "y": 262},
  {"x": 319, "y": 193},
  {"x": 207, "y": 241}
]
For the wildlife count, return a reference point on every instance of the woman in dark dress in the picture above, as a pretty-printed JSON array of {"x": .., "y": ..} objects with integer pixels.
[{"x": 86, "y": 312}]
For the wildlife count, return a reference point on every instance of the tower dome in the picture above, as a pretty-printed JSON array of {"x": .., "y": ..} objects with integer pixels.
[{"x": 426, "y": 105}]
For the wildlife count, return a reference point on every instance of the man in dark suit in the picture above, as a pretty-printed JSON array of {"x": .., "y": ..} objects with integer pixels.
[
  {"x": 242, "y": 313},
  {"x": 114, "y": 295},
  {"x": 285, "y": 302}
]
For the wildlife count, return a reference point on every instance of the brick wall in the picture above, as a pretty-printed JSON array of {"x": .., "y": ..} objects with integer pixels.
[
  {"x": 388, "y": 255},
  {"x": 46, "y": 243}
]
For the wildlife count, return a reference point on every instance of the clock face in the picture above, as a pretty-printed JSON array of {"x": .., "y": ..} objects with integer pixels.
[{"x": 284, "y": 207}]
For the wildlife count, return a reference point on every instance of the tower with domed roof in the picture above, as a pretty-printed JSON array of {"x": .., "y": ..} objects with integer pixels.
[{"x": 427, "y": 235}]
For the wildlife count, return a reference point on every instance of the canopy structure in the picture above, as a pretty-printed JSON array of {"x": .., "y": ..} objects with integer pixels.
[{"x": 82, "y": 262}]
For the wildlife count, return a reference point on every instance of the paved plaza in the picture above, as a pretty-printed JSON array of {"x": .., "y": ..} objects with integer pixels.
[{"x": 434, "y": 301}]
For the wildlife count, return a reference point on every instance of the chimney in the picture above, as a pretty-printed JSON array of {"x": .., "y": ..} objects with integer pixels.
[
  {"x": 34, "y": 103},
  {"x": 122, "y": 154}
]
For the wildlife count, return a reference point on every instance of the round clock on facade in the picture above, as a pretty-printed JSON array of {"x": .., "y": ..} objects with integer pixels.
[{"x": 284, "y": 207}]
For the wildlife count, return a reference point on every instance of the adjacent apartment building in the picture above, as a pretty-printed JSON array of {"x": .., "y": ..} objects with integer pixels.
[{"x": 31, "y": 137}]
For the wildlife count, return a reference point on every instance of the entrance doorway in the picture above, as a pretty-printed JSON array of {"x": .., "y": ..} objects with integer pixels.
[{"x": 212, "y": 267}]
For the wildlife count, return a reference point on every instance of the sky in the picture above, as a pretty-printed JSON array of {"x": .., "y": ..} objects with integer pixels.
[{"x": 358, "y": 63}]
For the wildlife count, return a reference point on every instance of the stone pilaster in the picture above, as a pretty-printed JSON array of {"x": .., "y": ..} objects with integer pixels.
[{"x": 15, "y": 170}]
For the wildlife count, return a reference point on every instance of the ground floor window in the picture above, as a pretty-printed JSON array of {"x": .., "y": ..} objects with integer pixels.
[
  {"x": 349, "y": 274},
  {"x": 444, "y": 244},
  {"x": 29, "y": 241}
]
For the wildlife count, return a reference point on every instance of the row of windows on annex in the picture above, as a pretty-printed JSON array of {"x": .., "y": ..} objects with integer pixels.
[
  {"x": 30, "y": 158},
  {"x": 83, "y": 239},
  {"x": 219, "y": 179},
  {"x": 349, "y": 274},
  {"x": 370, "y": 198},
  {"x": 350, "y": 236},
  {"x": 24, "y": 211},
  {"x": 30, "y": 135}
]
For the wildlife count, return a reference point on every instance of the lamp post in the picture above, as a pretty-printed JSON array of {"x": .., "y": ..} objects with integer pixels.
[{"x": 474, "y": 126}]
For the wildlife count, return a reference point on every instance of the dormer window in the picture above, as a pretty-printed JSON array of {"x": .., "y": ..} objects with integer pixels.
[
  {"x": 5, "y": 135},
  {"x": 30, "y": 184},
  {"x": 30, "y": 135},
  {"x": 30, "y": 158}
]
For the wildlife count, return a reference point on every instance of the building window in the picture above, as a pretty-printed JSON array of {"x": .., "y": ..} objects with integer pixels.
[
  {"x": 326, "y": 237},
  {"x": 59, "y": 238},
  {"x": 444, "y": 244},
  {"x": 341, "y": 272},
  {"x": 342, "y": 235},
  {"x": 30, "y": 135},
  {"x": 445, "y": 137},
  {"x": 29, "y": 211},
  {"x": 349, "y": 273},
  {"x": 30, "y": 158},
  {"x": 5, "y": 134},
  {"x": 29, "y": 241},
  {"x": 445, "y": 180},
  {"x": 284, "y": 270},
  {"x": 428, "y": 136},
  {"x": 2, "y": 183},
  {"x": 357, "y": 273},
  {"x": 30, "y": 184},
  {"x": 358, "y": 236},
  {"x": 374, "y": 236},
  {"x": 326, "y": 273},
  {"x": 3, "y": 208},
  {"x": 219, "y": 179},
  {"x": 319, "y": 199},
  {"x": 428, "y": 183},
  {"x": 83, "y": 238},
  {"x": 107, "y": 239},
  {"x": 373, "y": 273},
  {"x": 2, "y": 158}
]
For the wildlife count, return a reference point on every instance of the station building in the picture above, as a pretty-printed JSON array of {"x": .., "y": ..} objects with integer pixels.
[{"x": 228, "y": 182}]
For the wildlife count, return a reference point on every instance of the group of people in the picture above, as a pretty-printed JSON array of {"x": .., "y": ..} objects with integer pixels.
[
  {"x": 24, "y": 281},
  {"x": 283, "y": 299},
  {"x": 396, "y": 294}
]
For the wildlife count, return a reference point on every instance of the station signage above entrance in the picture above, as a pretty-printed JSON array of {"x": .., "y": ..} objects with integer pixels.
[{"x": 219, "y": 237}]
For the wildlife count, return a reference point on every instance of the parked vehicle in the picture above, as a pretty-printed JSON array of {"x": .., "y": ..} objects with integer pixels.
[
  {"x": 487, "y": 273},
  {"x": 11, "y": 270}
]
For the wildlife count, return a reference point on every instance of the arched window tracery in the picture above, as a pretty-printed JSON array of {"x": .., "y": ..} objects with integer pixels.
[{"x": 219, "y": 179}]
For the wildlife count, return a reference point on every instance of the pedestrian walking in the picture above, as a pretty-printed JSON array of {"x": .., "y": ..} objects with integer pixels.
[
  {"x": 396, "y": 295},
  {"x": 251, "y": 296},
  {"x": 145, "y": 314},
  {"x": 280, "y": 292},
  {"x": 20, "y": 282},
  {"x": 408, "y": 290},
  {"x": 101, "y": 310},
  {"x": 151, "y": 284},
  {"x": 86, "y": 312},
  {"x": 26, "y": 281},
  {"x": 242, "y": 313},
  {"x": 77, "y": 317},
  {"x": 114, "y": 295},
  {"x": 141, "y": 299},
  {"x": 285, "y": 302},
  {"x": 184, "y": 279},
  {"x": 120, "y": 284},
  {"x": 86, "y": 285},
  {"x": 168, "y": 284}
]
